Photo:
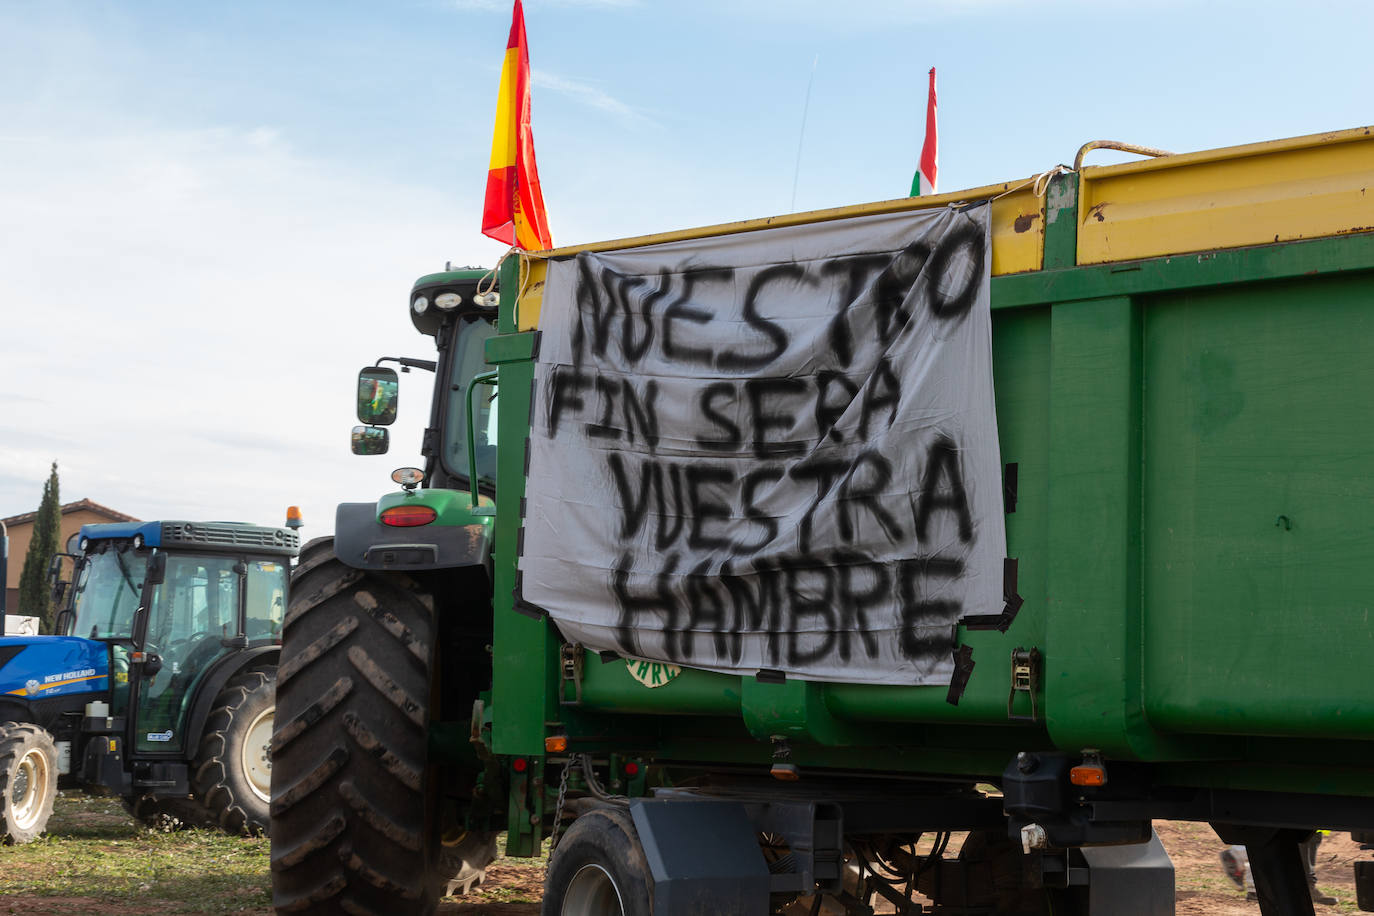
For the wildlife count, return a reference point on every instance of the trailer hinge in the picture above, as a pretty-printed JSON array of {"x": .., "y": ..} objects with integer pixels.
[
  {"x": 1025, "y": 678},
  {"x": 572, "y": 656}
]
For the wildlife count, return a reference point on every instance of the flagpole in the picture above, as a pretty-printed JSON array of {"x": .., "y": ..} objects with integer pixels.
[{"x": 806, "y": 106}]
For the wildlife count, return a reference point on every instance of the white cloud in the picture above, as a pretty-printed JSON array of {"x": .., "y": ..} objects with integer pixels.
[
  {"x": 586, "y": 94},
  {"x": 184, "y": 313}
]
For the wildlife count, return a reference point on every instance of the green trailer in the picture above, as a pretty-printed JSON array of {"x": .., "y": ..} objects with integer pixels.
[{"x": 1180, "y": 625}]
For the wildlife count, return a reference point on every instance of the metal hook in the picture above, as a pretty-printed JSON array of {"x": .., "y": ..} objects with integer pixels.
[{"x": 1285, "y": 522}]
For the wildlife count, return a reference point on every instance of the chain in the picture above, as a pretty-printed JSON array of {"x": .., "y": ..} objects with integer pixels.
[{"x": 558, "y": 806}]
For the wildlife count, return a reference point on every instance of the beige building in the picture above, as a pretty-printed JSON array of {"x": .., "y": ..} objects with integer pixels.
[{"x": 74, "y": 515}]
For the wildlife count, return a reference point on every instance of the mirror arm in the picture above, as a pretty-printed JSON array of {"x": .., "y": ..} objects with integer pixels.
[
  {"x": 407, "y": 363},
  {"x": 482, "y": 378}
]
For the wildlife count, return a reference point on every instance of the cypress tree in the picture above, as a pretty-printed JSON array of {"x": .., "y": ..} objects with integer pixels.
[{"x": 35, "y": 597}]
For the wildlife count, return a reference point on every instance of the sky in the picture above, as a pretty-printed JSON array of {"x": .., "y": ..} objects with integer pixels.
[{"x": 211, "y": 214}]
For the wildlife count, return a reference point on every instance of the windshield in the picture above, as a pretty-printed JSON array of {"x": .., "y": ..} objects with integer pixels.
[
  {"x": 266, "y": 600},
  {"x": 469, "y": 358},
  {"x": 199, "y": 597},
  {"x": 107, "y": 590}
]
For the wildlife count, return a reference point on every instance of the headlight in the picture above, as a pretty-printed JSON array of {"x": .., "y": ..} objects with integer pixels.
[
  {"x": 448, "y": 301},
  {"x": 420, "y": 304}
]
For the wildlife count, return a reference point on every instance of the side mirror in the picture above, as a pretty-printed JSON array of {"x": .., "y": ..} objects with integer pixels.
[
  {"x": 56, "y": 584},
  {"x": 378, "y": 394},
  {"x": 157, "y": 569},
  {"x": 370, "y": 440}
]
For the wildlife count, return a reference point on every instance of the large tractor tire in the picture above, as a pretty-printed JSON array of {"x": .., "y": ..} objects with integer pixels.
[
  {"x": 167, "y": 814},
  {"x": 28, "y": 781},
  {"x": 354, "y": 813},
  {"x": 599, "y": 869},
  {"x": 232, "y": 771}
]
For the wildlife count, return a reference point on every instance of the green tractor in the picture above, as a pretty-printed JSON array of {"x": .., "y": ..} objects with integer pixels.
[
  {"x": 391, "y": 793},
  {"x": 158, "y": 687}
]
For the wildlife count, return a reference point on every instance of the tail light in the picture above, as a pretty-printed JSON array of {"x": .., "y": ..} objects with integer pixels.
[{"x": 408, "y": 516}]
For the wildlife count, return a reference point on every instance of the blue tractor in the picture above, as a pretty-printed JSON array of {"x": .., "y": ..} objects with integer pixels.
[{"x": 160, "y": 685}]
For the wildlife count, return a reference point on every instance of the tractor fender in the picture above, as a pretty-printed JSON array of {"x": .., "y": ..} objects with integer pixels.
[
  {"x": 361, "y": 542},
  {"x": 219, "y": 674}
]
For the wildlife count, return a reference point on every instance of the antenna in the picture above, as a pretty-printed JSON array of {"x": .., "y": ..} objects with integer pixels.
[{"x": 806, "y": 106}]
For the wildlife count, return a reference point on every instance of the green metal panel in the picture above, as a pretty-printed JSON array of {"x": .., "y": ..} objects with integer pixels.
[
  {"x": 1258, "y": 491},
  {"x": 523, "y": 649},
  {"x": 1092, "y": 657}
]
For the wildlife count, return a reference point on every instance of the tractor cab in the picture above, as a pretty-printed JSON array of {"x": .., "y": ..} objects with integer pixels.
[
  {"x": 456, "y": 308},
  {"x": 212, "y": 592},
  {"x": 441, "y": 518}
]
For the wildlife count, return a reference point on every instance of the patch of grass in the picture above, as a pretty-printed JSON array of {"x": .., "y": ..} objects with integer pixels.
[{"x": 93, "y": 849}]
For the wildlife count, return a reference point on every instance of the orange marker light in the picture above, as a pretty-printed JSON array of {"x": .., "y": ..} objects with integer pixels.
[
  {"x": 787, "y": 772},
  {"x": 1088, "y": 774},
  {"x": 293, "y": 517},
  {"x": 556, "y": 744}
]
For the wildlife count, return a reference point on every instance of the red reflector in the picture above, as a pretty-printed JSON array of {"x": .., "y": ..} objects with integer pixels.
[
  {"x": 408, "y": 516},
  {"x": 520, "y": 764},
  {"x": 631, "y": 769}
]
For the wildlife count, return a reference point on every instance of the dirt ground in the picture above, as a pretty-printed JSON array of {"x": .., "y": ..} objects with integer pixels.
[{"x": 513, "y": 888}]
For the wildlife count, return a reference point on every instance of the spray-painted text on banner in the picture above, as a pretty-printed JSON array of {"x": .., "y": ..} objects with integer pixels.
[{"x": 774, "y": 450}]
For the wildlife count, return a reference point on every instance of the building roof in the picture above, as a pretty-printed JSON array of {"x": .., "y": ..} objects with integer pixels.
[{"x": 80, "y": 504}]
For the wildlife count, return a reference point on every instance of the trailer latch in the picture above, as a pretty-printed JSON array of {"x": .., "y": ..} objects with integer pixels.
[
  {"x": 572, "y": 657},
  {"x": 1025, "y": 678}
]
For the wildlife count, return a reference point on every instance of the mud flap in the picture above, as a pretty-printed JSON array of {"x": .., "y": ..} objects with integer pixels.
[{"x": 703, "y": 855}]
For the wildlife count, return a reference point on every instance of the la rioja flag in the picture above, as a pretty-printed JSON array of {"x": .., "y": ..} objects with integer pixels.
[{"x": 924, "y": 180}]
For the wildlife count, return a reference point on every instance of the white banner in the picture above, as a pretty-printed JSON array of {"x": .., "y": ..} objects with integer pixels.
[{"x": 773, "y": 450}]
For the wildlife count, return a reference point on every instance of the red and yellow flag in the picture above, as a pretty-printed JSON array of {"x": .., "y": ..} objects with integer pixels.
[{"x": 514, "y": 209}]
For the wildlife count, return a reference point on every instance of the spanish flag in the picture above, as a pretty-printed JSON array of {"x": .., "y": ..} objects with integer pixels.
[{"x": 514, "y": 209}]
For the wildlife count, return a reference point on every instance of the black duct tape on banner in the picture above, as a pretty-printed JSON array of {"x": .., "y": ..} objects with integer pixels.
[
  {"x": 529, "y": 610},
  {"x": 522, "y": 606},
  {"x": 520, "y": 543},
  {"x": 532, "y": 388},
  {"x": 608, "y": 655},
  {"x": 524, "y": 504},
  {"x": 1009, "y": 488},
  {"x": 770, "y": 676},
  {"x": 963, "y": 670},
  {"x": 1009, "y": 593},
  {"x": 971, "y": 205},
  {"x": 527, "y": 456},
  {"x": 999, "y": 622},
  {"x": 536, "y": 338}
]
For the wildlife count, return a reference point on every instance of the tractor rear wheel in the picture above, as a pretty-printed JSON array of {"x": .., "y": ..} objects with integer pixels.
[
  {"x": 28, "y": 781},
  {"x": 354, "y": 825},
  {"x": 232, "y": 772}
]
